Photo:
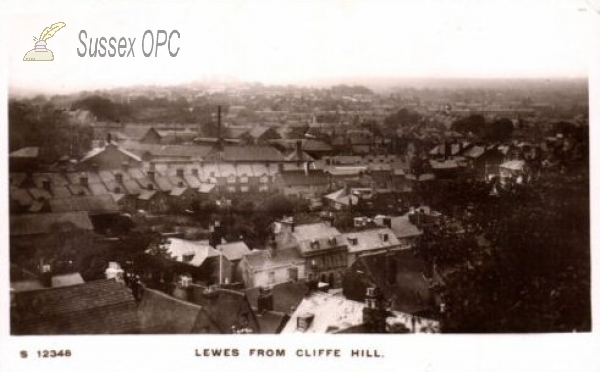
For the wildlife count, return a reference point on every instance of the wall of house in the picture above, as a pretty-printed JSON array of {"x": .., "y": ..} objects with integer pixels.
[{"x": 264, "y": 278}]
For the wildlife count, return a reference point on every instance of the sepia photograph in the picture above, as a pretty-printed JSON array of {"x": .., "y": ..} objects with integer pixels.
[{"x": 279, "y": 168}]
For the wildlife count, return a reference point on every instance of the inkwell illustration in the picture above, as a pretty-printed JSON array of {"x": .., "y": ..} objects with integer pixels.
[{"x": 40, "y": 52}]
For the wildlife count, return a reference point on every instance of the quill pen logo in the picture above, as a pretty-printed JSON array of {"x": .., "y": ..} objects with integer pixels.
[{"x": 40, "y": 52}]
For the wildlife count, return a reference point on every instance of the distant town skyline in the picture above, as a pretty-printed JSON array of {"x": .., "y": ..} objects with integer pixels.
[{"x": 307, "y": 43}]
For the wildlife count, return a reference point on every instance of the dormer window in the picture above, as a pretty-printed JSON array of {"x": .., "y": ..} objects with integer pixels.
[
  {"x": 314, "y": 244},
  {"x": 187, "y": 257},
  {"x": 332, "y": 241},
  {"x": 353, "y": 240}
]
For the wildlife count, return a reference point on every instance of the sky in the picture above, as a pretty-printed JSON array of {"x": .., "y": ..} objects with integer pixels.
[{"x": 303, "y": 42}]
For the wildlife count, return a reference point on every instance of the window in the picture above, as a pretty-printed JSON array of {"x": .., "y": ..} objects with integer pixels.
[
  {"x": 293, "y": 273},
  {"x": 263, "y": 188},
  {"x": 244, "y": 189},
  {"x": 231, "y": 189},
  {"x": 271, "y": 277},
  {"x": 243, "y": 179},
  {"x": 231, "y": 179},
  {"x": 264, "y": 179}
]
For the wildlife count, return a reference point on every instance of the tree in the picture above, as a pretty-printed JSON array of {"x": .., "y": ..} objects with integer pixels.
[
  {"x": 533, "y": 275},
  {"x": 103, "y": 108},
  {"x": 404, "y": 117},
  {"x": 278, "y": 206},
  {"x": 474, "y": 124},
  {"x": 499, "y": 130},
  {"x": 48, "y": 128}
]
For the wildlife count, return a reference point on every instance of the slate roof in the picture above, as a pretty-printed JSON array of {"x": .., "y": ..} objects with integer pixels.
[
  {"x": 447, "y": 164},
  {"x": 342, "y": 197},
  {"x": 251, "y": 154},
  {"x": 330, "y": 313},
  {"x": 147, "y": 194},
  {"x": 99, "y": 307},
  {"x": 174, "y": 151},
  {"x": 317, "y": 237},
  {"x": 21, "y": 196},
  {"x": 25, "y": 152},
  {"x": 178, "y": 191},
  {"x": 56, "y": 179},
  {"x": 315, "y": 145},
  {"x": 225, "y": 307},
  {"x": 301, "y": 178},
  {"x": 95, "y": 152},
  {"x": 333, "y": 314},
  {"x": 372, "y": 239},
  {"x": 201, "y": 250},
  {"x": 192, "y": 181},
  {"x": 286, "y": 296},
  {"x": 132, "y": 187},
  {"x": 234, "y": 251},
  {"x": 346, "y": 170},
  {"x": 17, "y": 178},
  {"x": 513, "y": 165},
  {"x": 98, "y": 204},
  {"x": 77, "y": 189},
  {"x": 162, "y": 314},
  {"x": 271, "y": 322},
  {"x": 97, "y": 189},
  {"x": 403, "y": 228},
  {"x": 205, "y": 188},
  {"x": 263, "y": 259},
  {"x": 475, "y": 152},
  {"x": 410, "y": 291},
  {"x": 45, "y": 223},
  {"x": 66, "y": 280},
  {"x": 163, "y": 183}
]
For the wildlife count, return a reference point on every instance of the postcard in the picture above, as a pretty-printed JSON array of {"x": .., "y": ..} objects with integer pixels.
[{"x": 267, "y": 185}]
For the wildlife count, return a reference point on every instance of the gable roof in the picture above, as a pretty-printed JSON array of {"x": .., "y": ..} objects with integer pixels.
[
  {"x": 225, "y": 309},
  {"x": 234, "y": 251},
  {"x": 341, "y": 196},
  {"x": 263, "y": 259},
  {"x": 45, "y": 223},
  {"x": 201, "y": 250},
  {"x": 96, "y": 152},
  {"x": 93, "y": 204},
  {"x": 99, "y": 307},
  {"x": 163, "y": 314}
]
